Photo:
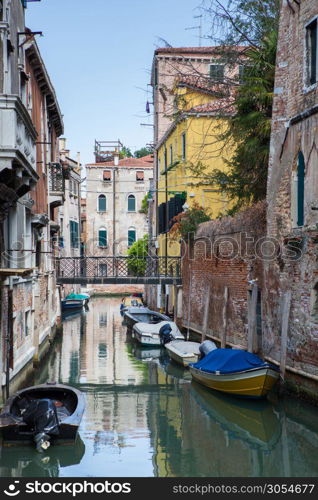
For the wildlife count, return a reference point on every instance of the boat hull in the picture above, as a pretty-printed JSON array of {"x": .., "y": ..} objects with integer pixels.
[
  {"x": 252, "y": 383},
  {"x": 182, "y": 358},
  {"x": 145, "y": 340},
  {"x": 14, "y": 429},
  {"x": 73, "y": 304}
]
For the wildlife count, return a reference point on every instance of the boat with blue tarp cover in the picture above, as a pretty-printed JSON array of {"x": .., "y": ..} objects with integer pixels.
[{"x": 235, "y": 371}]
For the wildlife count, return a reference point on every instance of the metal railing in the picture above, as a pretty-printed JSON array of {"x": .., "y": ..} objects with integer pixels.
[
  {"x": 118, "y": 269},
  {"x": 56, "y": 178}
]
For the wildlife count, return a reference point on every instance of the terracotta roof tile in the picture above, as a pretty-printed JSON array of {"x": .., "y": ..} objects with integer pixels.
[
  {"x": 196, "y": 50},
  {"x": 225, "y": 105},
  {"x": 143, "y": 162}
]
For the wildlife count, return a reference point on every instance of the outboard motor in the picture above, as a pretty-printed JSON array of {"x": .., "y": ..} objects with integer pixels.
[
  {"x": 206, "y": 347},
  {"x": 165, "y": 334},
  {"x": 41, "y": 416}
]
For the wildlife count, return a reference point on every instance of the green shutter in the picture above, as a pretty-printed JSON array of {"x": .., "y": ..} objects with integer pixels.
[
  {"x": 131, "y": 237},
  {"x": 102, "y": 203},
  {"x": 102, "y": 238},
  {"x": 131, "y": 203},
  {"x": 300, "y": 189},
  {"x": 74, "y": 234}
]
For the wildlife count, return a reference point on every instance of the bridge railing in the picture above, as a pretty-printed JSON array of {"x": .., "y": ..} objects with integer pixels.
[{"x": 89, "y": 268}]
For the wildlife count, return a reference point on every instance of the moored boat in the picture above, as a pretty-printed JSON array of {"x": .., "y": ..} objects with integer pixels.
[
  {"x": 42, "y": 413},
  {"x": 75, "y": 301},
  {"x": 183, "y": 352},
  {"x": 148, "y": 333},
  {"x": 131, "y": 301},
  {"x": 236, "y": 372},
  {"x": 135, "y": 315}
]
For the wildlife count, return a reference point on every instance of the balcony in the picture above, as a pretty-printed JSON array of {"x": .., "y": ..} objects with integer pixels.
[
  {"x": 17, "y": 137},
  {"x": 56, "y": 185}
]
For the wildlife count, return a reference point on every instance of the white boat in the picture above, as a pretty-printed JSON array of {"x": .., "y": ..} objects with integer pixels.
[
  {"x": 183, "y": 352},
  {"x": 148, "y": 334}
]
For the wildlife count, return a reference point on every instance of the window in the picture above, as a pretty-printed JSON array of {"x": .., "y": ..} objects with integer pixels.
[
  {"x": 314, "y": 304},
  {"x": 244, "y": 73},
  {"x": 140, "y": 176},
  {"x": 171, "y": 154},
  {"x": 102, "y": 269},
  {"x": 107, "y": 176},
  {"x": 74, "y": 234},
  {"x": 217, "y": 72},
  {"x": 183, "y": 145},
  {"x": 131, "y": 237},
  {"x": 131, "y": 203},
  {"x": 102, "y": 203},
  {"x": 27, "y": 323},
  {"x": 165, "y": 160},
  {"x": 102, "y": 238},
  {"x": 311, "y": 46},
  {"x": 300, "y": 189}
]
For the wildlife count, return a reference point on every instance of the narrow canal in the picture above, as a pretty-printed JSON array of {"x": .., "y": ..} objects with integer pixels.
[{"x": 144, "y": 416}]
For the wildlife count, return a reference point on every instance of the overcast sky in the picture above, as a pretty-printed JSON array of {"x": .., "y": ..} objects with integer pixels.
[{"x": 98, "y": 54}]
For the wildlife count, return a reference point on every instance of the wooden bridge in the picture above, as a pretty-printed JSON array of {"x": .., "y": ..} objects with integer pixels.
[{"x": 118, "y": 270}]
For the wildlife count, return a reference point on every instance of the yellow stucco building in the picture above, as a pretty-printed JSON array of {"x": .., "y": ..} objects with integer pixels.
[{"x": 191, "y": 140}]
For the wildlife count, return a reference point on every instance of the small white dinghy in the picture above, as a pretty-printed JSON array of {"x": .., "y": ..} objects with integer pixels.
[
  {"x": 148, "y": 334},
  {"x": 183, "y": 352}
]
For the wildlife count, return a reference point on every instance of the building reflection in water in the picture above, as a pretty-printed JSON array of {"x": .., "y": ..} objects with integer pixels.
[{"x": 145, "y": 417}]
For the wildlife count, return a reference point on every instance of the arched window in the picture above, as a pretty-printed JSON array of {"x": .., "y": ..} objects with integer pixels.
[
  {"x": 102, "y": 203},
  {"x": 131, "y": 203},
  {"x": 102, "y": 237},
  {"x": 300, "y": 189},
  {"x": 131, "y": 236}
]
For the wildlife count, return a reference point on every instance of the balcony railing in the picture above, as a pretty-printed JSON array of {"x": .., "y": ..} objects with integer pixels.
[{"x": 56, "y": 179}]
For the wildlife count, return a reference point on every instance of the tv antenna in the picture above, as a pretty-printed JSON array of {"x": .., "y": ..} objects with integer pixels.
[{"x": 199, "y": 27}]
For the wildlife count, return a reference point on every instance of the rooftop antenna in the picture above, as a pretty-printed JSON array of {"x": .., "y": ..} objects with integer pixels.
[{"x": 199, "y": 27}]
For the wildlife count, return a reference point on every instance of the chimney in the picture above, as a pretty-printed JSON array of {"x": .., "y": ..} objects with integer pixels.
[
  {"x": 116, "y": 158},
  {"x": 62, "y": 143},
  {"x": 78, "y": 159}
]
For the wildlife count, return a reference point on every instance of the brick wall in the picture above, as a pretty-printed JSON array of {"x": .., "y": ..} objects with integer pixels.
[
  {"x": 294, "y": 130},
  {"x": 223, "y": 256}
]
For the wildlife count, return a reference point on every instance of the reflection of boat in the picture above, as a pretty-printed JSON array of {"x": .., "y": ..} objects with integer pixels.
[
  {"x": 235, "y": 372},
  {"x": 145, "y": 353},
  {"x": 42, "y": 413},
  {"x": 72, "y": 313},
  {"x": 131, "y": 301},
  {"x": 148, "y": 333},
  {"x": 177, "y": 371},
  {"x": 256, "y": 424},
  {"x": 183, "y": 352},
  {"x": 135, "y": 315},
  {"x": 27, "y": 463}
]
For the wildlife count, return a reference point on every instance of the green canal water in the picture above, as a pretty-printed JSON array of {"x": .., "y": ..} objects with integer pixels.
[{"x": 144, "y": 416}]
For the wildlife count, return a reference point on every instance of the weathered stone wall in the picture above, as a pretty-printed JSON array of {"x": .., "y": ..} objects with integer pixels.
[
  {"x": 294, "y": 130},
  {"x": 225, "y": 255}
]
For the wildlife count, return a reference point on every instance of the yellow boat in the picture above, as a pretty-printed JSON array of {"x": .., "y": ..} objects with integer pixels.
[{"x": 235, "y": 372}]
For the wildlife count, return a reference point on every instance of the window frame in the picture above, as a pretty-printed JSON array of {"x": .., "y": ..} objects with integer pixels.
[
  {"x": 109, "y": 172},
  {"x": 308, "y": 85},
  {"x": 220, "y": 65},
  {"x": 104, "y": 230},
  {"x": 131, "y": 230},
  {"x": 130, "y": 197},
  {"x": 101, "y": 195},
  {"x": 183, "y": 146}
]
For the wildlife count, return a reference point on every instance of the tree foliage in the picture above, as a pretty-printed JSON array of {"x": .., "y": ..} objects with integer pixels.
[
  {"x": 125, "y": 153},
  {"x": 186, "y": 223},
  {"x": 142, "y": 152},
  {"x": 254, "y": 26},
  {"x": 137, "y": 254}
]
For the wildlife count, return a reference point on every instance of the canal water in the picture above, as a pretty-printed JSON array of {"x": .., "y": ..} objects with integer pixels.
[{"x": 144, "y": 416}]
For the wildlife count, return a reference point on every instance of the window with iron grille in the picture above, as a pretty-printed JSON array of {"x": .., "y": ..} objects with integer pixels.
[
  {"x": 140, "y": 177},
  {"x": 217, "y": 72},
  {"x": 102, "y": 238},
  {"x": 107, "y": 176},
  {"x": 311, "y": 49},
  {"x": 131, "y": 203}
]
